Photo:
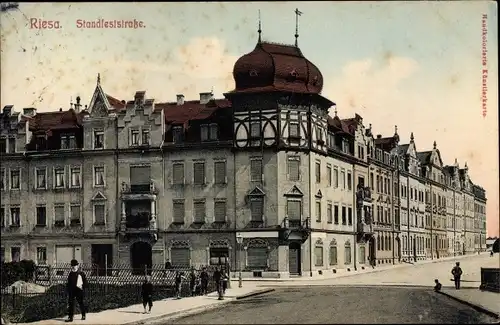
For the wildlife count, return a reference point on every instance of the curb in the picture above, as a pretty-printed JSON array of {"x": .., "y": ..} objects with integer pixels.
[
  {"x": 255, "y": 293},
  {"x": 197, "y": 310},
  {"x": 473, "y": 305}
]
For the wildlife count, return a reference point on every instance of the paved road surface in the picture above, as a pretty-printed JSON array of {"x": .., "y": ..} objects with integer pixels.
[{"x": 347, "y": 305}]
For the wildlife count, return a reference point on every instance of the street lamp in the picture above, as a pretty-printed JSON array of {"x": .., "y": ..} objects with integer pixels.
[{"x": 239, "y": 240}]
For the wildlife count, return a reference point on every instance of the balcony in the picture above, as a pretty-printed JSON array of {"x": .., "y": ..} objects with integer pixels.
[
  {"x": 139, "y": 223},
  {"x": 363, "y": 195},
  {"x": 295, "y": 229},
  {"x": 139, "y": 191}
]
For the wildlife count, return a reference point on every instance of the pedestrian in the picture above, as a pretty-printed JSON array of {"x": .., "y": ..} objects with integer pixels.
[
  {"x": 491, "y": 253},
  {"x": 204, "y": 281},
  {"x": 76, "y": 285},
  {"x": 438, "y": 285},
  {"x": 217, "y": 280},
  {"x": 457, "y": 273},
  {"x": 147, "y": 294},
  {"x": 225, "y": 279},
  {"x": 192, "y": 281},
  {"x": 178, "y": 284}
]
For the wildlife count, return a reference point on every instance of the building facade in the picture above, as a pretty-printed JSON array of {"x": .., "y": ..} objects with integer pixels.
[{"x": 265, "y": 180}]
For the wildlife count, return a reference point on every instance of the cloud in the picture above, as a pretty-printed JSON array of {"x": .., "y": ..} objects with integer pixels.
[{"x": 363, "y": 83}]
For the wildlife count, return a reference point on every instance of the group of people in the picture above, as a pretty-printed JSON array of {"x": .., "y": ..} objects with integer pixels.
[
  {"x": 456, "y": 271},
  {"x": 198, "y": 285}
]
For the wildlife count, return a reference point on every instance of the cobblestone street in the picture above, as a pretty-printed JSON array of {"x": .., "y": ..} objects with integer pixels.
[{"x": 348, "y": 305}]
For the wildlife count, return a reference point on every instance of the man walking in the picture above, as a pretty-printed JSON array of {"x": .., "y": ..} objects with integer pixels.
[
  {"x": 76, "y": 285},
  {"x": 204, "y": 281},
  {"x": 217, "y": 280},
  {"x": 457, "y": 273}
]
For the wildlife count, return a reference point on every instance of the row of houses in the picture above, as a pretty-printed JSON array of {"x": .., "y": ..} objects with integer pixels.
[{"x": 269, "y": 179}]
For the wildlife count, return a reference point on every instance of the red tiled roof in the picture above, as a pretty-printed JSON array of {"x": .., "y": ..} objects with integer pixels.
[
  {"x": 115, "y": 103},
  {"x": 55, "y": 120},
  {"x": 190, "y": 110},
  {"x": 276, "y": 67}
]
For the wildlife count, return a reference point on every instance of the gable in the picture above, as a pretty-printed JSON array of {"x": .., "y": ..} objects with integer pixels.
[
  {"x": 98, "y": 196},
  {"x": 257, "y": 191},
  {"x": 99, "y": 104},
  {"x": 319, "y": 195},
  {"x": 294, "y": 191},
  {"x": 436, "y": 158},
  {"x": 412, "y": 151}
]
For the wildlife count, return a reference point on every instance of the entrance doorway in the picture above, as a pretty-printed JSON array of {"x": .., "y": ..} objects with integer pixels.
[
  {"x": 372, "y": 251},
  {"x": 294, "y": 262},
  {"x": 141, "y": 258},
  {"x": 102, "y": 254}
]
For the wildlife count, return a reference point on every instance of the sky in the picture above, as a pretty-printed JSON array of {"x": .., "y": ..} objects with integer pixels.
[{"x": 417, "y": 65}]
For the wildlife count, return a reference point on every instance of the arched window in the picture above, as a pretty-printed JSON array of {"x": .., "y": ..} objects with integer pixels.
[
  {"x": 318, "y": 253},
  {"x": 382, "y": 243},
  {"x": 257, "y": 254},
  {"x": 347, "y": 253},
  {"x": 333, "y": 252}
]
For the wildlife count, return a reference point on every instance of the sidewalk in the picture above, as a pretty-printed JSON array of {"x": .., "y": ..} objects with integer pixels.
[
  {"x": 344, "y": 273},
  {"x": 484, "y": 301},
  {"x": 167, "y": 308}
]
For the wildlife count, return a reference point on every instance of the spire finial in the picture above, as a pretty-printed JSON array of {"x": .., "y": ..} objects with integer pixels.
[
  {"x": 260, "y": 29},
  {"x": 456, "y": 161},
  {"x": 435, "y": 144},
  {"x": 395, "y": 129},
  {"x": 335, "y": 110},
  {"x": 370, "y": 126},
  {"x": 98, "y": 78},
  {"x": 466, "y": 166},
  {"x": 297, "y": 14},
  {"x": 411, "y": 137},
  {"x": 71, "y": 102}
]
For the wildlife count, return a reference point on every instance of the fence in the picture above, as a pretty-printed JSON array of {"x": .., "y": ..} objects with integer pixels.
[{"x": 114, "y": 287}]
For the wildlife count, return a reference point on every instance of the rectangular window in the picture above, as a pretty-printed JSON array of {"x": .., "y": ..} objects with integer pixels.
[
  {"x": 2, "y": 179},
  {"x": 41, "y": 216},
  {"x": 41, "y": 255},
  {"x": 362, "y": 255},
  {"x": 59, "y": 216},
  {"x": 213, "y": 133},
  {"x": 178, "y": 134},
  {"x": 335, "y": 177},
  {"x": 199, "y": 173},
  {"x": 75, "y": 214},
  {"x": 344, "y": 216},
  {"x": 318, "y": 253},
  {"x": 257, "y": 209},
  {"x": 99, "y": 214},
  {"x": 361, "y": 181},
  {"x": 15, "y": 179},
  {"x": 318, "y": 211},
  {"x": 294, "y": 130},
  {"x": 98, "y": 139},
  {"x": 199, "y": 211},
  {"x": 75, "y": 177},
  {"x": 220, "y": 172},
  {"x": 293, "y": 210},
  {"x": 371, "y": 181},
  {"x": 220, "y": 211},
  {"x": 349, "y": 216},
  {"x": 255, "y": 130},
  {"x": 15, "y": 253},
  {"x": 204, "y": 132},
  {"x": 134, "y": 137},
  {"x": 3, "y": 145},
  {"x": 333, "y": 255},
  {"x": 293, "y": 169},
  {"x": 99, "y": 176},
  {"x": 2, "y": 217},
  {"x": 41, "y": 142},
  {"x": 12, "y": 145},
  {"x": 318, "y": 172},
  {"x": 179, "y": 211},
  {"x": 59, "y": 177},
  {"x": 256, "y": 170},
  {"x": 347, "y": 259},
  {"x": 178, "y": 174},
  {"x": 336, "y": 214},
  {"x": 342, "y": 180},
  {"x": 349, "y": 181},
  {"x": 329, "y": 213},
  {"x": 329, "y": 174},
  {"x": 15, "y": 216},
  {"x": 145, "y": 137},
  {"x": 41, "y": 178}
]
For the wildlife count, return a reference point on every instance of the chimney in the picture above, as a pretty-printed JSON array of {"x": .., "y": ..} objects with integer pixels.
[
  {"x": 7, "y": 110},
  {"x": 77, "y": 104},
  {"x": 206, "y": 97},
  {"x": 29, "y": 111},
  {"x": 379, "y": 136},
  {"x": 180, "y": 99},
  {"x": 139, "y": 97}
]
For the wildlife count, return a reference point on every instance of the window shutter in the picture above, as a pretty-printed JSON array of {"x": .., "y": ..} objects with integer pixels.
[
  {"x": 220, "y": 211},
  {"x": 179, "y": 212},
  {"x": 180, "y": 257},
  {"x": 59, "y": 213},
  {"x": 257, "y": 257},
  {"x": 199, "y": 173},
  {"x": 256, "y": 170},
  {"x": 199, "y": 212},
  {"x": 204, "y": 133},
  {"x": 75, "y": 212},
  {"x": 256, "y": 209},
  {"x": 140, "y": 175},
  {"x": 220, "y": 172},
  {"x": 293, "y": 170},
  {"x": 178, "y": 174},
  {"x": 293, "y": 210}
]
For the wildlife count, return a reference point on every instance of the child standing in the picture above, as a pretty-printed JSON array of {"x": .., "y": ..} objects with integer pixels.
[{"x": 147, "y": 295}]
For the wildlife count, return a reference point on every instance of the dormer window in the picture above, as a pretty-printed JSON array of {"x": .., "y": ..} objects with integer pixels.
[
  {"x": 294, "y": 73},
  {"x": 177, "y": 134},
  {"x": 209, "y": 132},
  {"x": 98, "y": 139},
  {"x": 345, "y": 146},
  {"x": 68, "y": 141},
  {"x": 145, "y": 137},
  {"x": 41, "y": 142},
  {"x": 253, "y": 73}
]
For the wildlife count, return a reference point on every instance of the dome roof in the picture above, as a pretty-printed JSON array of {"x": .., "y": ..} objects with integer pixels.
[{"x": 276, "y": 67}]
